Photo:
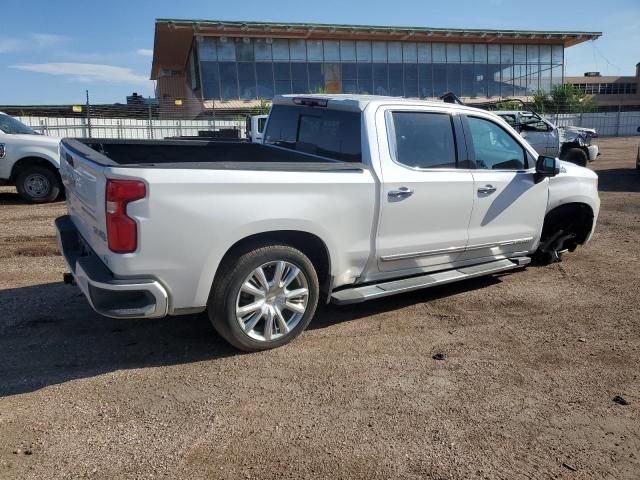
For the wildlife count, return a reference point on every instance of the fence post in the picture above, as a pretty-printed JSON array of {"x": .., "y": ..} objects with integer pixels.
[
  {"x": 88, "y": 116},
  {"x": 150, "y": 132},
  {"x": 618, "y": 121}
]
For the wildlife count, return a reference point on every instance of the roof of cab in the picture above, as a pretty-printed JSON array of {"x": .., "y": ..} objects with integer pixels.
[{"x": 355, "y": 102}]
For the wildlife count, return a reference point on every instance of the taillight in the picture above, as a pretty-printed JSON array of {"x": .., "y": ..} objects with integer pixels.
[{"x": 122, "y": 230}]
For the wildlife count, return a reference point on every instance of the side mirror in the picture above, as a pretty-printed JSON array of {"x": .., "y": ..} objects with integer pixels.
[{"x": 546, "y": 167}]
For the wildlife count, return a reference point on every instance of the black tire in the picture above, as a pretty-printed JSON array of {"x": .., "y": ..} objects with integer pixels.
[
  {"x": 545, "y": 258},
  {"x": 559, "y": 227},
  {"x": 38, "y": 184},
  {"x": 221, "y": 306},
  {"x": 577, "y": 156}
]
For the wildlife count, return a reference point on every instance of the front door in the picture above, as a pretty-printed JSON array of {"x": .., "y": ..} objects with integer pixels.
[
  {"x": 426, "y": 201},
  {"x": 509, "y": 207}
]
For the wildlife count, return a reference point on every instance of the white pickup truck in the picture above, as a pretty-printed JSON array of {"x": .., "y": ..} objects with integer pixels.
[
  {"x": 350, "y": 198},
  {"x": 255, "y": 127},
  {"x": 29, "y": 161}
]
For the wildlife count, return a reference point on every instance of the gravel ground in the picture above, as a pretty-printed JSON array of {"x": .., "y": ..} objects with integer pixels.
[{"x": 533, "y": 361}]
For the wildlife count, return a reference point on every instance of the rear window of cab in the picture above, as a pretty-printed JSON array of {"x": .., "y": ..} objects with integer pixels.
[{"x": 335, "y": 134}]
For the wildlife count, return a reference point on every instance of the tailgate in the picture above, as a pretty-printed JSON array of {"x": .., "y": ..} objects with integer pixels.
[{"x": 85, "y": 182}]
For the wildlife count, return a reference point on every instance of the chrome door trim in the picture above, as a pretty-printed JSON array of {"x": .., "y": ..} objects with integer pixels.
[
  {"x": 426, "y": 253},
  {"x": 444, "y": 251},
  {"x": 504, "y": 243}
]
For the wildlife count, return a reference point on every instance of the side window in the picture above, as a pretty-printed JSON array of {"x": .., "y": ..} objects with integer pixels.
[
  {"x": 533, "y": 124},
  {"x": 424, "y": 140},
  {"x": 493, "y": 147}
]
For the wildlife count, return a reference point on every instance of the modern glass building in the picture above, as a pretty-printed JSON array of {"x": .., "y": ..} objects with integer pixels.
[{"x": 227, "y": 61}]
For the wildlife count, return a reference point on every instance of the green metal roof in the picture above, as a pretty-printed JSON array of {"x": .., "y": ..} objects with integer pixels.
[{"x": 240, "y": 24}]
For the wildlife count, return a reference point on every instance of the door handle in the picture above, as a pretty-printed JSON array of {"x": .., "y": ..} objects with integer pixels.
[
  {"x": 402, "y": 192},
  {"x": 487, "y": 189}
]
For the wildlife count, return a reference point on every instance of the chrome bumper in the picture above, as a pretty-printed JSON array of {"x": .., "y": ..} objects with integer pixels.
[{"x": 107, "y": 295}]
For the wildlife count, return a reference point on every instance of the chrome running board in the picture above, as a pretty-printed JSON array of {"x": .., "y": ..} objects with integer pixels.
[{"x": 378, "y": 290}]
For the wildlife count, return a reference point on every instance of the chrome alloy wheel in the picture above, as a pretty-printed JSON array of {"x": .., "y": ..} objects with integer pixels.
[
  {"x": 37, "y": 185},
  {"x": 272, "y": 300}
]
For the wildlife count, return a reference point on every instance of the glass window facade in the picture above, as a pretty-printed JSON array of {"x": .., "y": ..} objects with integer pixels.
[
  {"x": 608, "y": 88},
  {"x": 250, "y": 68}
]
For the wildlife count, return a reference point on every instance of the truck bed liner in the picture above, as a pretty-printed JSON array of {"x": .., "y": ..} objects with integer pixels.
[{"x": 186, "y": 154}]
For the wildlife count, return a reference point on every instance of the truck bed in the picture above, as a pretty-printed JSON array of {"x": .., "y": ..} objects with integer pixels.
[{"x": 185, "y": 154}]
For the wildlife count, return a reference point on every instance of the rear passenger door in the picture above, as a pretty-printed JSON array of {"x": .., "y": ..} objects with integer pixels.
[
  {"x": 508, "y": 205},
  {"x": 426, "y": 199}
]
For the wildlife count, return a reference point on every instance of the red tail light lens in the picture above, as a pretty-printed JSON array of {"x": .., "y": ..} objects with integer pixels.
[{"x": 122, "y": 230}]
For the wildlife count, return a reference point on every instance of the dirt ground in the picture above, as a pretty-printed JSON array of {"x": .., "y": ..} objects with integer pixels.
[{"x": 533, "y": 362}]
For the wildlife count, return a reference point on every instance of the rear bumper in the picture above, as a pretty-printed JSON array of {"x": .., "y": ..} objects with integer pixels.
[
  {"x": 109, "y": 296},
  {"x": 593, "y": 152}
]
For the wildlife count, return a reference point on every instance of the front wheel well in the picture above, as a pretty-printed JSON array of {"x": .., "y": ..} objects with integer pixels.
[
  {"x": 309, "y": 244},
  {"x": 576, "y": 218},
  {"x": 27, "y": 162}
]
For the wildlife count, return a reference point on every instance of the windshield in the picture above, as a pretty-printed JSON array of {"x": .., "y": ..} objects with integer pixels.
[{"x": 12, "y": 126}]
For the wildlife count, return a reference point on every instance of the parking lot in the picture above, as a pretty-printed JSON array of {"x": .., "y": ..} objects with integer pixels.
[{"x": 532, "y": 363}]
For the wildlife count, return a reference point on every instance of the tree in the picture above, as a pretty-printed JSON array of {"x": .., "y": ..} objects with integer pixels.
[
  {"x": 508, "y": 105},
  {"x": 563, "y": 99},
  {"x": 263, "y": 109}
]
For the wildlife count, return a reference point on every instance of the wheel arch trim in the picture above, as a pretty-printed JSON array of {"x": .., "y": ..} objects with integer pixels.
[
  {"x": 211, "y": 268},
  {"x": 33, "y": 160}
]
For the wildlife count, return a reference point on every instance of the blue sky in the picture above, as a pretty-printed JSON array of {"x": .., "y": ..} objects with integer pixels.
[{"x": 52, "y": 51}]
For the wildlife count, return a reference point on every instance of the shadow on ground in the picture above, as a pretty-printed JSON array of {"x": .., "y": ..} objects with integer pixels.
[
  {"x": 619, "y": 180},
  {"x": 12, "y": 198},
  {"x": 49, "y": 334},
  {"x": 330, "y": 315}
]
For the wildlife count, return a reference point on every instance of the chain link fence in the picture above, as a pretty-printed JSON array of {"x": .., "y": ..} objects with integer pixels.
[
  {"x": 155, "y": 120},
  {"x": 606, "y": 124},
  {"x": 132, "y": 128},
  {"x": 146, "y": 119}
]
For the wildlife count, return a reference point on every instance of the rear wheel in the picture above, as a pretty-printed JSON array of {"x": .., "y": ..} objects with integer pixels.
[
  {"x": 265, "y": 298},
  {"x": 577, "y": 156},
  {"x": 38, "y": 184}
]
